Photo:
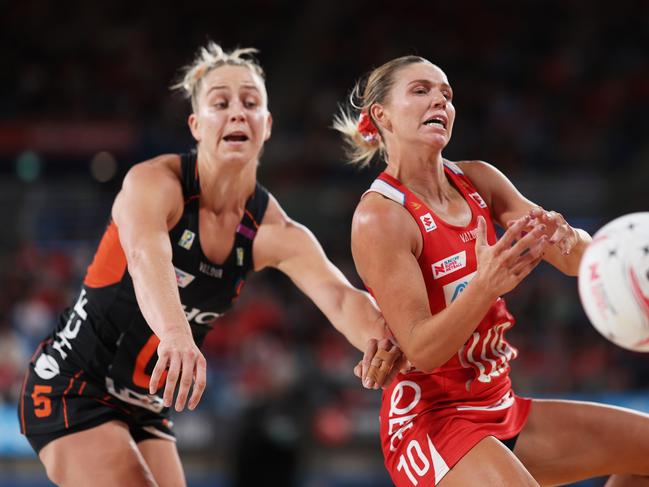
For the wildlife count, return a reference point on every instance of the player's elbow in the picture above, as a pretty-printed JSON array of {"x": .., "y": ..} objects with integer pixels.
[
  {"x": 135, "y": 256},
  {"x": 136, "y": 259},
  {"x": 426, "y": 355},
  {"x": 424, "y": 362}
]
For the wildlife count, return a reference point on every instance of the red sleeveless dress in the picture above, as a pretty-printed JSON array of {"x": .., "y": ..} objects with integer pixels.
[{"x": 429, "y": 421}]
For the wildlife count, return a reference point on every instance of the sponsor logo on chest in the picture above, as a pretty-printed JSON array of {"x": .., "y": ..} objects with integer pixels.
[
  {"x": 428, "y": 222},
  {"x": 183, "y": 279},
  {"x": 453, "y": 289},
  {"x": 469, "y": 235},
  {"x": 187, "y": 239},
  {"x": 478, "y": 199},
  {"x": 449, "y": 265},
  {"x": 210, "y": 270}
]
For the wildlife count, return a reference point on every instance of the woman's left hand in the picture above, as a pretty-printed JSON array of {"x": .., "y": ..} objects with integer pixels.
[
  {"x": 557, "y": 229},
  {"x": 382, "y": 361}
]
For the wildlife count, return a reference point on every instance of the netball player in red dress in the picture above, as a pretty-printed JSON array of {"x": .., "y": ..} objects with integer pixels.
[
  {"x": 423, "y": 241},
  {"x": 185, "y": 231}
]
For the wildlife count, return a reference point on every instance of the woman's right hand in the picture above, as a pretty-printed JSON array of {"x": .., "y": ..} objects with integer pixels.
[
  {"x": 506, "y": 263},
  {"x": 179, "y": 356}
]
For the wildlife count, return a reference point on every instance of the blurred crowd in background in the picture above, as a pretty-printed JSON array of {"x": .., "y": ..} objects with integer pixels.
[{"x": 553, "y": 93}]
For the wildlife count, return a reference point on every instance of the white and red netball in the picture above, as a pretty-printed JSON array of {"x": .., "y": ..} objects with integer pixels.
[{"x": 614, "y": 281}]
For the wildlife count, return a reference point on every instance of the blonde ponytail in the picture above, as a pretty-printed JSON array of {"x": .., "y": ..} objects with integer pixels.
[{"x": 358, "y": 134}]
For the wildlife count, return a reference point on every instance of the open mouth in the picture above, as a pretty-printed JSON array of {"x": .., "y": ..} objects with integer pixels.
[
  {"x": 237, "y": 137},
  {"x": 436, "y": 121}
]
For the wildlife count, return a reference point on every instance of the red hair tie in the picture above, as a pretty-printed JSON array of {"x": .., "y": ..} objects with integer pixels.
[{"x": 367, "y": 129}]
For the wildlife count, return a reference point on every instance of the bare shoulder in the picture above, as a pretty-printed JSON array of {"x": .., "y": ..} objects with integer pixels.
[
  {"x": 153, "y": 185},
  {"x": 164, "y": 169},
  {"x": 488, "y": 180},
  {"x": 476, "y": 168},
  {"x": 379, "y": 219},
  {"x": 503, "y": 198},
  {"x": 482, "y": 173}
]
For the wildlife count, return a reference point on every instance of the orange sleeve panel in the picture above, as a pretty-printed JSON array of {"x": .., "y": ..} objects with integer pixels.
[{"x": 109, "y": 264}]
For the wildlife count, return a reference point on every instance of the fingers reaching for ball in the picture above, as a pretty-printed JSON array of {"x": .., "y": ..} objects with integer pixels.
[{"x": 558, "y": 231}]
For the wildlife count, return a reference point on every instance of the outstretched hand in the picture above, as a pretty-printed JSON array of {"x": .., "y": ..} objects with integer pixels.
[
  {"x": 506, "y": 263},
  {"x": 382, "y": 361},
  {"x": 557, "y": 230},
  {"x": 181, "y": 358}
]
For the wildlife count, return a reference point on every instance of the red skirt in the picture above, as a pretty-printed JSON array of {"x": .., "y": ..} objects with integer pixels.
[{"x": 419, "y": 449}]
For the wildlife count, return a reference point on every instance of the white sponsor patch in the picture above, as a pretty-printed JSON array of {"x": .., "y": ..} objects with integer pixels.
[
  {"x": 147, "y": 401},
  {"x": 478, "y": 199},
  {"x": 46, "y": 367},
  {"x": 187, "y": 239},
  {"x": 428, "y": 222},
  {"x": 183, "y": 279},
  {"x": 449, "y": 265},
  {"x": 453, "y": 289}
]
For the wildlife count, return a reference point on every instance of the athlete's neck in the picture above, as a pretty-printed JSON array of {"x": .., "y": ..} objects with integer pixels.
[
  {"x": 423, "y": 174},
  {"x": 224, "y": 187}
]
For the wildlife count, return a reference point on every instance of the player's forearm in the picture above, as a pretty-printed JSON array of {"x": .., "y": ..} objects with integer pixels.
[
  {"x": 351, "y": 311},
  {"x": 156, "y": 290},
  {"x": 359, "y": 318},
  {"x": 431, "y": 342}
]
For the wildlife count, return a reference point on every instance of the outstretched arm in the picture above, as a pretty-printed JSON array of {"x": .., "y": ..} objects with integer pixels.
[
  {"x": 150, "y": 198},
  {"x": 291, "y": 248},
  {"x": 567, "y": 244}
]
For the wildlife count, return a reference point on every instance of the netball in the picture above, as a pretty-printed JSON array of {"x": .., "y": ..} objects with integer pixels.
[{"x": 614, "y": 281}]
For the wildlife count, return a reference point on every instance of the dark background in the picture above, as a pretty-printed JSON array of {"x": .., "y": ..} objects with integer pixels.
[{"x": 554, "y": 93}]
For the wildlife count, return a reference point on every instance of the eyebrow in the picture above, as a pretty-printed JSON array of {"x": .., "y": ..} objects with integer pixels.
[
  {"x": 428, "y": 82},
  {"x": 248, "y": 86}
]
